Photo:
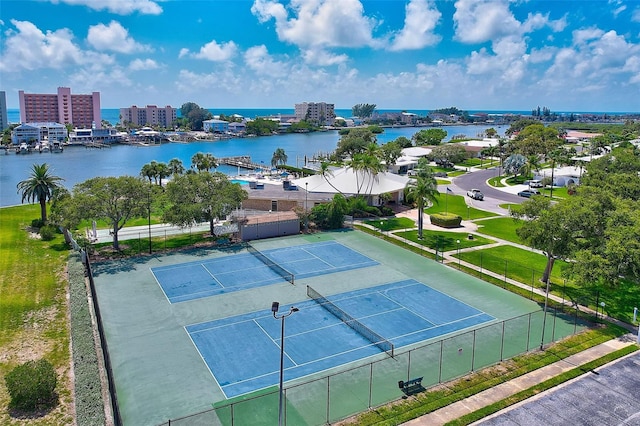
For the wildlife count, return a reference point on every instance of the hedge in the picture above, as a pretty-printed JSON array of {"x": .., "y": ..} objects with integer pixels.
[
  {"x": 445, "y": 220},
  {"x": 88, "y": 387}
]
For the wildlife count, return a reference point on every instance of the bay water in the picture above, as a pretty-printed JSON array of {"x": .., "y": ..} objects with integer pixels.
[{"x": 77, "y": 163}]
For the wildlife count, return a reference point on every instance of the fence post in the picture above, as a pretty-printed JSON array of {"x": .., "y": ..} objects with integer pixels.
[
  {"x": 328, "y": 398},
  {"x": 473, "y": 351},
  {"x": 502, "y": 343},
  {"x": 529, "y": 331},
  {"x": 533, "y": 277},
  {"x": 505, "y": 273},
  {"x": 440, "y": 372}
]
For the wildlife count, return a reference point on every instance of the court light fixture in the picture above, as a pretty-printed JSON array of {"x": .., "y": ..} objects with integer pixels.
[{"x": 275, "y": 306}]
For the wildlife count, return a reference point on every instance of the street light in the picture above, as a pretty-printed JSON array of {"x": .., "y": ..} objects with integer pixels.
[
  {"x": 274, "y": 309},
  {"x": 458, "y": 241},
  {"x": 306, "y": 208}
]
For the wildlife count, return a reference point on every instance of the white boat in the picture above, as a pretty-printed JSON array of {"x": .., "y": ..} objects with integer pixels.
[
  {"x": 56, "y": 147},
  {"x": 23, "y": 149}
]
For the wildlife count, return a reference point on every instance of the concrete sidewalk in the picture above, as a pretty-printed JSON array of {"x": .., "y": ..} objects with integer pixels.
[{"x": 504, "y": 390}]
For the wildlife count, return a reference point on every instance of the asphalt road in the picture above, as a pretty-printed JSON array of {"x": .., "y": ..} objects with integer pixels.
[{"x": 492, "y": 197}]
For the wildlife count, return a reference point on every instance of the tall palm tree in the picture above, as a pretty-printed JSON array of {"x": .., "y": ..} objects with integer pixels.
[
  {"x": 40, "y": 186},
  {"x": 202, "y": 161},
  {"x": 326, "y": 172},
  {"x": 279, "y": 157},
  {"x": 162, "y": 171},
  {"x": 422, "y": 190},
  {"x": 176, "y": 167}
]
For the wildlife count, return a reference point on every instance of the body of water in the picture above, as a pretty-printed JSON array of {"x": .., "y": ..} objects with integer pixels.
[{"x": 77, "y": 164}]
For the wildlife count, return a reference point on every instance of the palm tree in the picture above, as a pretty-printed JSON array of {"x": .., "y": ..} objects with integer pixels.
[
  {"x": 202, "y": 162},
  {"x": 422, "y": 190},
  {"x": 326, "y": 172},
  {"x": 279, "y": 157},
  {"x": 162, "y": 171},
  {"x": 40, "y": 186},
  {"x": 149, "y": 171},
  {"x": 176, "y": 167}
]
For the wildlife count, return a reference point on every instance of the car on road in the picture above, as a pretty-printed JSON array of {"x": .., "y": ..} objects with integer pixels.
[
  {"x": 528, "y": 193},
  {"x": 476, "y": 194},
  {"x": 536, "y": 183}
]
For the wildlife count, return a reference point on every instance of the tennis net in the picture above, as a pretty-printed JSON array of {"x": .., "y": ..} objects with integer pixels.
[
  {"x": 271, "y": 264},
  {"x": 356, "y": 325}
]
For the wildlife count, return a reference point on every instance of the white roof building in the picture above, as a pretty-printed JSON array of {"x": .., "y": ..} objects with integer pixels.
[{"x": 349, "y": 182}]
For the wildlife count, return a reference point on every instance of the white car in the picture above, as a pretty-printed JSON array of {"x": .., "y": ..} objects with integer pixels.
[{"x": 476, "y": 194}]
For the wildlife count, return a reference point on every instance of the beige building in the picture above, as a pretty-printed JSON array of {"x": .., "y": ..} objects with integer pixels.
[
  {"x": 316, "y": 112},
  {"x": 150, "y": 115}
]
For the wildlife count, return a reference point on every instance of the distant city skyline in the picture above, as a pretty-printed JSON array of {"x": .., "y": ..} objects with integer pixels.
[{"x": 413, "y": 54}]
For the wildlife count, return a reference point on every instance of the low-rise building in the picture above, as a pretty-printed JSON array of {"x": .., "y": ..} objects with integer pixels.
[
  {"x": 32, "y": 133},
  {"x": 215, "y": 126}
]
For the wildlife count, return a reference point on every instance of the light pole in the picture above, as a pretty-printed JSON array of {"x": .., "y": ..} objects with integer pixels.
[
  {"x": 458, "y": 241},
  {"x": 274, "y": 309},
  {"x": 306, "y": 208}
]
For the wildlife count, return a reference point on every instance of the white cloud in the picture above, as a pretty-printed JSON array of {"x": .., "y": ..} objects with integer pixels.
[
  {"x": 323, "y": 58},
  {"x": 28, "y": 48},
  {"x": 212, "y": 51},
  {"x": 143, "y": 64},
  {"x": 113, "y": 37},
  {"x": 481, "y": 21},
  {"x": 421, "y": 18},
  {"x": 635, "y": 16},
  {"x": 120, "y": 7},
  {"x": 257, "y": 58},
  {"x": 319, "y": 23}
]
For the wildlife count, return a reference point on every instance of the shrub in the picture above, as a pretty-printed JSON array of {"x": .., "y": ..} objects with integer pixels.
[
  {"x": 32, "y": 385},
  {"x": 37, "y": 223},
  {"x": 47, "y": 232},
  {"x": 443, "y": 220}
]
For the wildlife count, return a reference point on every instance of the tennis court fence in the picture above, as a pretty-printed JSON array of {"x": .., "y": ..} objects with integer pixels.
[{"x": 334, "y": 397}]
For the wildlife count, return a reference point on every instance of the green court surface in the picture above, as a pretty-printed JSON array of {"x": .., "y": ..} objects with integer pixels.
[{"x": 160, "y": 376}]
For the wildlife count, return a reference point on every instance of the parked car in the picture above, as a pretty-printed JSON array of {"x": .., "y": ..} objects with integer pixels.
[
  {"x": 536, "y": 183},
  {"x": 476, "y": 194},
  {"x": 528, "y": 193}
]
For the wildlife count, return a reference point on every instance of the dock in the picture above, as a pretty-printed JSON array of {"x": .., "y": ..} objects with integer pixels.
[{"x": 243, "y": 162}]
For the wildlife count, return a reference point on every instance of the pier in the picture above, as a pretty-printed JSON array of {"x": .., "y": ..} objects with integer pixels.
[{"x": 244, "y": 162}]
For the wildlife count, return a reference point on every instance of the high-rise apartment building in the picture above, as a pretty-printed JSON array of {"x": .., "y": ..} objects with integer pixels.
[
  {"x": 316, "y": 112},
  {"x": 150, "y": 115},
  {"x": 4, "y": 121},
  {"x": 81, "y": 111}
]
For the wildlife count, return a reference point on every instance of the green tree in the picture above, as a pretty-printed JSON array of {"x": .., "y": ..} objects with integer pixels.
[
  {"x": 113, "y": 199},
  {"x": 404, "y": 142},
  {"x": 149, "y": 171},
  {"x": 194, "y": 115},
  {"x": 514, "y": 164},
  {"x": 518, "y": 125},
  {"x": 536, "y": 139},
  {"x": 261, "y": 126},
  {"x": 203, "y": 162},
  {"x": 450, "y": 152},
  {"x": 421, "y": 191},
  {"x": 390, "y": 152},
  {"x": 354, "y": 142},
  {"x": 176, "y": 167},
  {"x": 363, "y": 110},
  {"x": 429, "y": 136},
  {"x": 162, "y": 172},
  {"x": 326, "y": 172},
  {"x": 39, "y": 187},
  {"x": 330, "y": 215},
  {"x": 279, "y": 157},
  {"x": 203, "y": 196}
]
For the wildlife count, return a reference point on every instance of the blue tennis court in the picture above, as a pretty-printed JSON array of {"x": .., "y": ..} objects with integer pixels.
[
  {"x": 193, "y": 280},
  {"x": 404, "y": 313}
]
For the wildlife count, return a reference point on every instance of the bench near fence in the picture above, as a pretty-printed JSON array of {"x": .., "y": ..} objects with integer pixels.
[{"x": 412, "y": 386}]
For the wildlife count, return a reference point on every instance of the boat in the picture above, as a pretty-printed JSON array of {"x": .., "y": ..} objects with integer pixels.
[
  {"x": 23, "y": 149},
  {"x": 56, "y": 147}
]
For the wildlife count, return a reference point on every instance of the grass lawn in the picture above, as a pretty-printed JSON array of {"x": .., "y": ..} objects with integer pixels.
[
  {"x": 443, "y": 240},
  {"x": 496, "y": 182},
  {"x": 521, "y": 265},
  {"x": 392, "y": 224},
  {"x": 456, "y": 204},
  {"x": 500, "y": 227},
  {"x": 558, "y": 192},
  {"x": 33, "y": 308}
]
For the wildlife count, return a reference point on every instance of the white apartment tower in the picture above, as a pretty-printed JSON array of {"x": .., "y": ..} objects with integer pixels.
[{"x": 316, "y": 112}]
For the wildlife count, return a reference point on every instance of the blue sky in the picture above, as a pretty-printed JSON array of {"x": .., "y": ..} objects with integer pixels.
[{"x": 398, "y": 54}]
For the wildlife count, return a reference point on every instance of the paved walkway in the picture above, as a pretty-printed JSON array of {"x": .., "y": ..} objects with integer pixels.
[{"x": 504, "y": 390}]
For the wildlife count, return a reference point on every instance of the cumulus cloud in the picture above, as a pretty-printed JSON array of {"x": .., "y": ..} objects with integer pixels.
[
  {"x": 635, "y": 16},
  {"x": 120, "y": 7},
  {"x": 257, "y": 58},
  {"x": 143, "y": 64},
  {"x": 480, "y": 21},
  {"x": 212, "y": 51},
  {"x": 319, "y": 23},
  {"x": 113, "y": 37},
  {"x": 29, "y": 48},
  {"x": 421, "y": 18},
  {"x": 323, "y": 58}
]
